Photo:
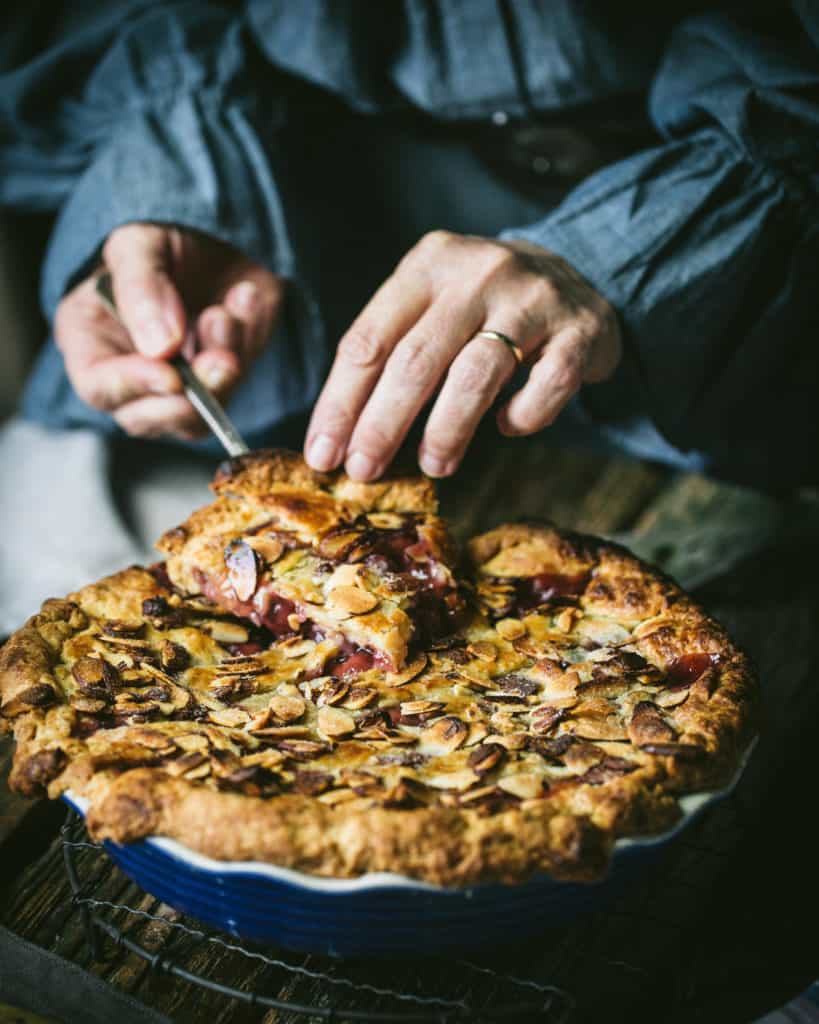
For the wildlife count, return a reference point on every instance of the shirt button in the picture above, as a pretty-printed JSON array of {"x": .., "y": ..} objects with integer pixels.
[
  {"x": 541, "y": 165},
  {"x": 500, "y": 118}
]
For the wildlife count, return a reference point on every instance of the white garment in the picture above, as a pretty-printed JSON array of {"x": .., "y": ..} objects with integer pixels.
[{"x": 60, "y": 525}]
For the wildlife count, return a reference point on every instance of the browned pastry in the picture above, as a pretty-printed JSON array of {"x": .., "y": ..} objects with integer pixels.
[
  {"x": 580, "y": 697},
  {"x": 317, "y": 554}
]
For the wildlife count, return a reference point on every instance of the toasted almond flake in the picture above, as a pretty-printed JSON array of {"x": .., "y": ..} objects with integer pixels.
[
  {"x": 230, "y": 718},
  {"x": 525, "y": 785},
  {"x": 87, "y": 705},
  {"x": 609, "y": 727},
  {"x": 270, "y": 549},
  {"x": 347, "y": 575},
  {"x": 287, "y": 709},
  {"x": 282, "y": 731},
  {"x": 259, "y": 721},
  {"x": 444, "y": 735},
  {"x": 335, "y": 722},
  {"x": 511, "y": 741},
  {"x": 385, "y": 520},
  {"x": 351, "y": 600},
  {"x": 565, "y": 620},
  {"x": 483, "y": 650},
  {"x": 421, "y": 707},
  {"x": 670, "y": 698},
  {"x": 360, "y": 697},
  {"x": 201, "y": 772},
  {"x": 409, "y": 671},
  {"x": 294, "y": 621},
  {"x": 337, "y": 796},
  {"x": 650, "y": 625},
  {"x": 269, "y": 758},
  {"x": 460, "y": 780},
  {"x": 296, "y": 647},
  {"x": 478, "y": 794},
  {"x": 510, "y": 629},
  {"x": 225, "y": 632},
  {"x": 477, "y": 732},
  {"x": 333, "y": 692}
]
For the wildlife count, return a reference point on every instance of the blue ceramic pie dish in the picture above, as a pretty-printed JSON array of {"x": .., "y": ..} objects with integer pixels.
[{"x": 378, "y": 914}]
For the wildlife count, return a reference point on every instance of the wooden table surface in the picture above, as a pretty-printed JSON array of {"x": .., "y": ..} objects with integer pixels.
[{"x": 715, "y": 935}]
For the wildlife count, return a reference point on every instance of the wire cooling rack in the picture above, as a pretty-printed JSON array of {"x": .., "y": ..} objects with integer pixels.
[{"x": 511, "y": 998}]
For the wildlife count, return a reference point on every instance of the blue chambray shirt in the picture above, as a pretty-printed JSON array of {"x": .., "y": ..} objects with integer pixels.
[{"x": 706, "y": 244}]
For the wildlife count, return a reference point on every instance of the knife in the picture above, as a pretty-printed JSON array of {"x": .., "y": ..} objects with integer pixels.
[{"x": 197, "y": 394}]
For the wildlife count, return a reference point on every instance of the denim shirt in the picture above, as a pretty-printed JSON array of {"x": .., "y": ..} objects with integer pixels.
[{"x": 706, "y": 244}]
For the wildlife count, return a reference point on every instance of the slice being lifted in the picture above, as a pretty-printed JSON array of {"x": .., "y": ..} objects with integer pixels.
[{"x": 318, "y": 555}]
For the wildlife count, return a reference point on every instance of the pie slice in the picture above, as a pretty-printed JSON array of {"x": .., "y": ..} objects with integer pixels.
[{"x": 301, "y": 553}]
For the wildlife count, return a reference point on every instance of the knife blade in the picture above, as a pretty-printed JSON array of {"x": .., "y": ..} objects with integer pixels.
[{"x": 197, "y": 394}]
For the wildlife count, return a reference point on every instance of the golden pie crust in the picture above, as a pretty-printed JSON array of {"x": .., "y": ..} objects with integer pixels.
[{"x": 579, "y": 696}]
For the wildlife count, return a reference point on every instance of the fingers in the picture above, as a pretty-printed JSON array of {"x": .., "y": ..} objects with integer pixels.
[
  {"x": 472, "y": 384},
  {"x": 149, "y": 303},
  {"x": 360, "y": 359},
  {"x": 153, "y": 417},
  {"x": 411, "y": 375},
  {"x": 254, "y": 303},
  {"x": 554, "y": 379},
  {"x": 99, "y": 359}
]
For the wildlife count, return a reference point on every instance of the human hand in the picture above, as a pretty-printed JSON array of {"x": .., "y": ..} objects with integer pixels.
[
  {"x": 165, "y": 279},
  {"x": 418, "y": 332}
]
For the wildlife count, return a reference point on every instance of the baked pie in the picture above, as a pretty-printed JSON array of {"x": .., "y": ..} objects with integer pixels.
[{"x": 457, "y": 723}]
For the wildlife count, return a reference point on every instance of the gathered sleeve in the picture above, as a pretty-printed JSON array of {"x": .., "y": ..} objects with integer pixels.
[{"x": 708, "y": 248}]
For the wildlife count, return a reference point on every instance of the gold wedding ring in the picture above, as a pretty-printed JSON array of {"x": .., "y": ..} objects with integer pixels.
[{"x": 516, "y": 350}]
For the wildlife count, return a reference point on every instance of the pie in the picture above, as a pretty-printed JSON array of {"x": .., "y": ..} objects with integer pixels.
[{"x": 458, "y": 722}]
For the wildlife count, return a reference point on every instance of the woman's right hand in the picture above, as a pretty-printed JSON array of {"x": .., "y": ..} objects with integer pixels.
[{"x": 161, "y": 276}]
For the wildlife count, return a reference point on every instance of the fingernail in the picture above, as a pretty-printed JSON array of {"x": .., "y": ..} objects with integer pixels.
[
  {"x": 246, "y": 296},
  {"x": 155, "y": 336},
  {"x": 216, "y": 377},
  {"x": 433, "y": 466},
  {"x": 220, "y": 330},
  {"x": 323, "y": 453},
  {"x": 361, "y": 467}
]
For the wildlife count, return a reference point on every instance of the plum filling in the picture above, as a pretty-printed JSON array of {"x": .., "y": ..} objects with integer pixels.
[
  {"x": 530, "y": 591},
  {"x": 353, "y": 660},
  {"x": 687, "y": 669}
]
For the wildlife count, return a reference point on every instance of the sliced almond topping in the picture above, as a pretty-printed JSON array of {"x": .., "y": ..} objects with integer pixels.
[
  {"x": 242, "y": 569},
  {"x": 352, "y": 600},
  {"x": 609, "y": 727},
  {"x": 191, "y": 741},
  {"x": 294, "y": 621},
  {"x": 268, "y": 758},
  {"x": 335, "y": 722},
  {"x": 483, "y": 650},
  {"x": 346, "y": 575},
  {"x": 525, "y": 785},
  {"x": 670, "y": 698},
  {"x": 565, "y": 620},
  {"x": 360, "y": 697},
  {"x": 282, "y": 731},
  {"x": 545, "y": 718},
  {"x": 385, "y": 520},
  {"x": 87, "y": 705},
  {"x": 650, "y": 625},
  {"x": 226, "y": 632},
  {"x": 478, "y": 794},
  {"x": 512, "y": 741},
  {"x": 287, "y": 709},
  {"x": 510, "y": 629},
  {"x": 173, "y": 657},
  {"x": 333, "y": 692},
  {"x": 259, "y": 721},
  {"x": 337, "y": 796},
  {"x": 460, "y": 780},
  {"x": 486, "y": 757},
  {"x": 269, "y": 549},
  {"x": 409, "y": 671},
  {"x": 230, "y": 718},
  {"x": 296, "y": 647},
  {"x": 421, "y": 707},
  {"x": 200, "y": 772},
  {"x": 647, "y": 725},
  {"x": 444, "y": 735},
  {"x": 477, "y": 732}
]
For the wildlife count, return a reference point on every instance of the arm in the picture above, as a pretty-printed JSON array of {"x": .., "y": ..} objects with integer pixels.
[
  {"x": 155, "y": 152},
  {"x": 705, "y": 247}
]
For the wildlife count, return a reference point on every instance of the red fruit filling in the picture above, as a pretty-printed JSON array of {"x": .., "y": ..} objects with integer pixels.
[{"x": 687, "y": 669}]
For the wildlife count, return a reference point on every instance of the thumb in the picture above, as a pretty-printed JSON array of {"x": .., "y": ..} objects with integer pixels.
[{"x": 149, "y": 304}]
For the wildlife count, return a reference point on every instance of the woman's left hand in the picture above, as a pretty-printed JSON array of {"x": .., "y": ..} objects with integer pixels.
[{"x": 419, "y": 332}]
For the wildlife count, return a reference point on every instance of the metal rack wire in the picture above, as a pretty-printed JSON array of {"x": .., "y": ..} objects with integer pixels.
[{"x": 533, "y": 1000}]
